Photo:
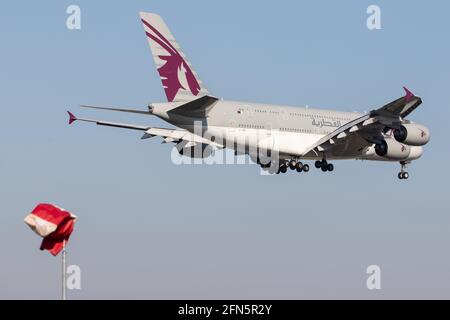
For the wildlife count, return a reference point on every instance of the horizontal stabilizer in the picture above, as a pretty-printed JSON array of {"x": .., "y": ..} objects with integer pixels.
[
  {"x": 119, "y": 109},
  {"x": 196, "y": 108},
  {"x": 73, "y": 118}
]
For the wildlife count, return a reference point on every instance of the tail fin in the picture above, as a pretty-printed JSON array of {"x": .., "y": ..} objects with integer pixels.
[{"x": 179, "y": 80}]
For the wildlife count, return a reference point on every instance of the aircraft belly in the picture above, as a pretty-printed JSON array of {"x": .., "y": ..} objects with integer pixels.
[
  {"x": 289, "y": 143},
  {"x": 294, "y": 143}
]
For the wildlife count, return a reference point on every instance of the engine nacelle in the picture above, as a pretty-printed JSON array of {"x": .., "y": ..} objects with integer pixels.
[
  {"x": 393, "y": 150},
  {"x": 196, "y": 151},
  {"x": 412, "y": 134}
]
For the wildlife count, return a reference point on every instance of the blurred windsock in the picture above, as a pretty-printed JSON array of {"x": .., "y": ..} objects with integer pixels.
[{"x": 53, "y": 224}]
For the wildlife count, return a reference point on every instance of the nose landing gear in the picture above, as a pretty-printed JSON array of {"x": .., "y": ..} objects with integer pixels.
[{"x": 403, "y": 174}]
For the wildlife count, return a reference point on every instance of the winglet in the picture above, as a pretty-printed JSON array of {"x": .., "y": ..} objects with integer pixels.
[
  {"x": 409, "y": 94},
  {"x": 72, "y": 117}
]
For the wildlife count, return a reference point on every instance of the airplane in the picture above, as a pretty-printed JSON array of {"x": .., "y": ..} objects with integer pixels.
[{"x": 276, "y": 137}]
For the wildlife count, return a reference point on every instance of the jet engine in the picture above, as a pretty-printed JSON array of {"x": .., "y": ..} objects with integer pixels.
[
  {"x": 392, "y": 149},
  {"x": 412, "y": 134},
  {"x": 195, "y": 151}
]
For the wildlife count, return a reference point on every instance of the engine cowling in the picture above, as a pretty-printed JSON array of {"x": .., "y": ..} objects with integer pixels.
[
  {"x": 412, "y": 134},
  {"x": 392, "y": 149},
  {"x": 197, "y": 151}
]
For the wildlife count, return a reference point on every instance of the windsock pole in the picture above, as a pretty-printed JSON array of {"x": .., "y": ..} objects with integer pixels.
[{"x": 64, "y": 271}]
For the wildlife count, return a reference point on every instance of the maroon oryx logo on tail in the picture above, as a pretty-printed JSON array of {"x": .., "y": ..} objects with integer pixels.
[{"x": 175, "y": 73}]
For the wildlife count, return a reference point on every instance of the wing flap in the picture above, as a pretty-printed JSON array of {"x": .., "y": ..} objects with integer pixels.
[
  {"x": 177, "y": 135},
  {"x": 340, "y": 133}
]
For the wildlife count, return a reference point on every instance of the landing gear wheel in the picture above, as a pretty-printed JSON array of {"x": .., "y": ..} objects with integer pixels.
[
  {"x": 323, "y": 165},
  {"x": 293, "y": 164},
  {"x": 318, "y": 164},
  {"x": 283, "y": 169},
  {"x": 403, "y": 175},
  {"x": 330, "y": 167},
  {"x": 299, "y": 166},
  {"x": 265, "y": 166},
  {"x": 305, "y": 168}
]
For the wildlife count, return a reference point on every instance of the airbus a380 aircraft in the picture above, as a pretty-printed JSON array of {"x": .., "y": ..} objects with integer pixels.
[{"x": 276, "y": 137}]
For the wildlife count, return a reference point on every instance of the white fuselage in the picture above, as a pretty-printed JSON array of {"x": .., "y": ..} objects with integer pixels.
[{"x": 288, "y": 130}]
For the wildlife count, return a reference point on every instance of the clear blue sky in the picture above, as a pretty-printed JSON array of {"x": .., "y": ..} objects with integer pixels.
[{"x": 150, "y": 229}]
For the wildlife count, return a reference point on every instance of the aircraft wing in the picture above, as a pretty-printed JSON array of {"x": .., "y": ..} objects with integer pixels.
[
  {"x": 369, "y": 126},
  {"x": 168, "y": 135},
  {"x": 401, "y": 107},
  {"x": 199, "y": 107}
]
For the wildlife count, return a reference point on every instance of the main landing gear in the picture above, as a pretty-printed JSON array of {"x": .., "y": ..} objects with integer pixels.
[
  {"x": 324, "y": 165},
  {"x": 403, "y": 174},
  {"x": 293, "y": 165}
]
